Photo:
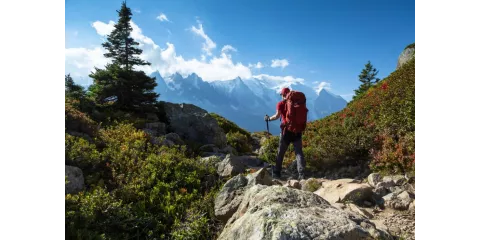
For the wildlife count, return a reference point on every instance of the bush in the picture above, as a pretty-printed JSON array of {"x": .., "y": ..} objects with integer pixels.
[
  {"x": 76, "y": 120},
  {"x": 270, "y": 149},
  {"x": 378, "y": 127},
  {"x": 239, "y": 142},
  {"x": 150, "y": 189},
  {"x": 229, "y": 126}
]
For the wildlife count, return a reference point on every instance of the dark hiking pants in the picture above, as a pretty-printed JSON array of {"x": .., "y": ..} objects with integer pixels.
[{"x": 285, "y": 140}]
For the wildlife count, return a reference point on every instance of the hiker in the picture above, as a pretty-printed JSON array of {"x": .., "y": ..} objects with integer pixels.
[{"x": 292, "y": 127}]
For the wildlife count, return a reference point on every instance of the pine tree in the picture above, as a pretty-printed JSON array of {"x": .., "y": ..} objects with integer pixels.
[
  {"x": 368, "y": 78},
  {"x": 73, "y": 90},
  {"x": 119, "y": 84}
]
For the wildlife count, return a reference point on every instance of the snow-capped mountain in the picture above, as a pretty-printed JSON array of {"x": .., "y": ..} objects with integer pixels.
[
  {"x": 328, "y": 103},
  {"x": 244, "y": 102}
]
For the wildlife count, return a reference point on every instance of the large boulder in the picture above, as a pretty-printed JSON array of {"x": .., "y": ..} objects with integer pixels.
[
  {"x": 175, "y": 138},
  {"x": 232, "y": 193},
  {"x": 194, "y": 124},
  {"x": 342, "y": 190},
  {"x": 407, "y": 54},
  {"x": 276, "y": 212},
  {"x": 230, "y": 197},
  {"x": 75, "y": 180},
  {"x": 230, "y": 166}
]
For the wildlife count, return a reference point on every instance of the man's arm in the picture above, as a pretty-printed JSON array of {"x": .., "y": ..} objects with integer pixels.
[{"x": 274, "y": 117}]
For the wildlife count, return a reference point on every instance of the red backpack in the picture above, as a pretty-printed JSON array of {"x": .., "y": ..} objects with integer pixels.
[{"x": 296, "y": 118}]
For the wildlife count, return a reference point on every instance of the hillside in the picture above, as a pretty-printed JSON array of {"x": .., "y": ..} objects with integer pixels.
[{"x": 377, "y": 129}]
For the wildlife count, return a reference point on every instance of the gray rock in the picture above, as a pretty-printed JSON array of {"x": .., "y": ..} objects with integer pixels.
[
  {"x": 194, "y": 124},
  {"x": 229, "y": 150},
  {"x": 405, "y": 56},
  {"x": 230, "y": 197},
  {"x": 395, "y": 180},
  {"x": 398, "y": 201},
  {"x": 213, "y": 160},
  {"x": 374, "y": 179},
  {"x": 75, "y": 180},
  {"x": 175, "y": 138},
  {"x": 276, "y": 212},
  {"x": 261, "y": 176},
  {"x": 293, "y": 184},
  {"x": 209, "y": 154},
  {"x": 342, "y": 190},
  {"x": 155, "y": 128},
  {"x": 209, "y": 148},
  {"x": 230, "y": 166},
  {"x": 251, "y": 161}
]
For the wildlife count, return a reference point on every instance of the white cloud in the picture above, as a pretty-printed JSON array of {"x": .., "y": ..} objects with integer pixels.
[
  {"x": 322, "y": 85},
  {"x": 81, "y": 61},
  {"x": 227, "y": 48},
  {"x": 279, "y": 63},
  {"x": 166, "y": 61},
  {"x": 313, "y": 71},
  {"x": 103, "y": 28},
  {"x": 257, "y": 66},
  {"x": 137, "y": 10},
  {"x": 75, "y": 33},
  {"x": 163, "y": 18},
  {"x": 287, "y": 79},
  {"x": 208, "y": 45}
]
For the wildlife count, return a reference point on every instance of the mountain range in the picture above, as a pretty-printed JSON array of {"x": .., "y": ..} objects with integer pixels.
[{"x": 245, "y": 102}]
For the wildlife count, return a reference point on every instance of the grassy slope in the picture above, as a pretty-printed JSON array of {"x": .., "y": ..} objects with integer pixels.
[{"x": 378, "y": 127}]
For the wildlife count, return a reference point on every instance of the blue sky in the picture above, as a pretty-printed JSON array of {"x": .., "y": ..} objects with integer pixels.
[{"x": 322, "y": 41}]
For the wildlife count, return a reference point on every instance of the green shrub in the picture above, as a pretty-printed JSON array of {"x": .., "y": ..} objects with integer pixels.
[
  {"x": 239, "y": 142},
  {"x": 230, "y": 127},
  {"x": 378, "y": 127},
  {"x": 76, "y": 120},
  {"x": 149, "y": 189},
  {"x": 270, "y": 149}
]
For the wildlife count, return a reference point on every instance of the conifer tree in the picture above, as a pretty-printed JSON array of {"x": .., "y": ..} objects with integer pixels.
[
  {"x": 368, "y": 78},
  {"x": 119, "y": 84},
  {"x": 73, "y": 90}
]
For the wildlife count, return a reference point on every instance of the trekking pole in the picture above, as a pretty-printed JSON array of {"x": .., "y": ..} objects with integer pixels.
[{"x": 268, "y": 130}]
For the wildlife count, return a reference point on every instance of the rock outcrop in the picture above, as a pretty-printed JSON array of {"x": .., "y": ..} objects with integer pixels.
[
  {"x": 407, "y": 54},
  {"x": 275, "y": 212},
  {"x": 194, "y": 124},
  {"x": 75, "y": 180},
  {"x": 254, "y": 207}
]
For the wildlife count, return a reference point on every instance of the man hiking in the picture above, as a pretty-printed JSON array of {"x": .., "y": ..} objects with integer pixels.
[{"x": 292, "y": 109}]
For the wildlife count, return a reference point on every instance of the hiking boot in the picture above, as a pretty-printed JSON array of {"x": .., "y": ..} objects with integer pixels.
[{"x": 276, "y": 175}]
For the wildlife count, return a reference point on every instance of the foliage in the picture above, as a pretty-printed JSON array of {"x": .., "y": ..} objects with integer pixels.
[
  {"x": 119, "y": 86},
  {"x": 76, "y": 120},
  {"x": 73, "y": 90},
  {"x": 313, "y": 186},
  {"x": 270, "y": 149},
  {"x": 368, "y": 78},
  {"x": 378, "y": 127},
  {"x": 239, "y": 142},
  {"x": 120, "y": 45},
  {"x": 147, "y": 189},
  {"x": 229, "y": 126}
]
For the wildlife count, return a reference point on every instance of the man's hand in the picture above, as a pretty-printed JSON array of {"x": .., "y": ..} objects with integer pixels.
[{"x": 266, "y": 118}]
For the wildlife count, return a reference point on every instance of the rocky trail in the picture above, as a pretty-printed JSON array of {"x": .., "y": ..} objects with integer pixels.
[{"x": 255, "y": 206}]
